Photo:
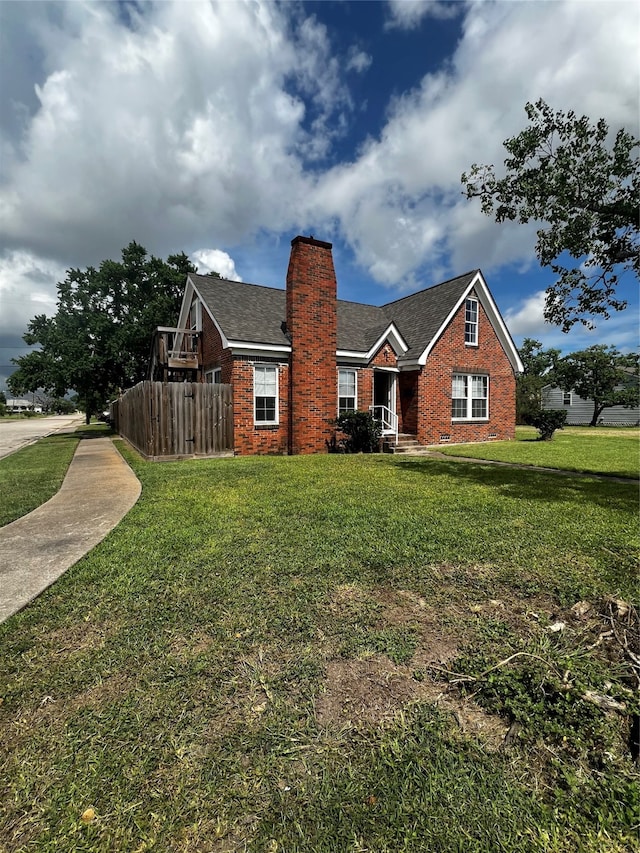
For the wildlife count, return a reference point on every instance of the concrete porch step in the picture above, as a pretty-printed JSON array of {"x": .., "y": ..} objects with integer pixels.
[{"x": 405, "y": 443}]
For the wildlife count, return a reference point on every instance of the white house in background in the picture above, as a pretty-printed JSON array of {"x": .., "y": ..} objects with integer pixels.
[
  {"x": 19, "y": 405},
  {"x": 580, "y": 411}
]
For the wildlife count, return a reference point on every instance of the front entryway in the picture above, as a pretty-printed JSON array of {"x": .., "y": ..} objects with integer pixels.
[{"x": 384, "y": 400}]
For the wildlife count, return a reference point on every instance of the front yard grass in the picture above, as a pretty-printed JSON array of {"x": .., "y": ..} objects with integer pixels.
[
  {"x": 327, "y": 654},
  {"x": 31, "y": 476},
  {"x": 595, "y": 450}
]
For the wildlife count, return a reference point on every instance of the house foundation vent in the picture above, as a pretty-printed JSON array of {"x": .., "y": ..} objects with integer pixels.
[
  {"x": 493, "y": 435},
  {"x": 445, "y": 438}
]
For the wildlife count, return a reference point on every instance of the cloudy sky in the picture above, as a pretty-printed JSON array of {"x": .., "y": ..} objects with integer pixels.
[{"x": 225, "y": 129}]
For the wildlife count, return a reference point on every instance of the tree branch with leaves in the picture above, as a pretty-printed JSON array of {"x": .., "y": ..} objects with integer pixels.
[
  {"x": 98, "y": 341},
  {"x": 582, "y": 188}
]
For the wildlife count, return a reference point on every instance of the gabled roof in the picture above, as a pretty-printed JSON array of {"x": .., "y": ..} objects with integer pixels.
[
  {"x": 421, "y": 315},
  {"x": 244, "y": 312},
  {"x": 253, "y": 314},
  {"x": 359, "y": 325}
]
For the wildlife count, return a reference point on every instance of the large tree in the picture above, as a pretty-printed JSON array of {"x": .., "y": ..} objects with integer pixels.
[
  {"x": 582, "y": 187},
  {"x": 602, "y": 374},
  {"x": 98, "y": 341},
  {"x": 537, "y": 366}
]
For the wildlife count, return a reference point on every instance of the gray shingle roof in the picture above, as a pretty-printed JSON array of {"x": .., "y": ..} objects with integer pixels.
[
  {"x": 359, "y": 325},
  {"x": 244, "y": 312},
  {"x": 419, "y": 316},
  {"x": 255, "y": 314}
]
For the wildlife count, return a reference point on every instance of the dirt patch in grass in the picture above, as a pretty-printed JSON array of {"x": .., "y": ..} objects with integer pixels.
[
  {"x": 112, "y": 689},
  {"x": 470, "y": 718},
  {"x": 368, "y": 689},
  {"x": 438, "y": 642},
  {"x": 365, "y": 692},
  {"x": 79, "y": 637},
  {"x": 51, "y": 713},
  {"x": 187, "y": 647}
]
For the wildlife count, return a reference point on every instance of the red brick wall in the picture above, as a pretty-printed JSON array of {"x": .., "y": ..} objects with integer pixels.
[
  {"x": 449, "y": 356},
  {"x": 385, "y": 357},
  {"x": 238, "y": 372},
  {"x": 312, "y": 324},
  {"x": 248, "y": 438},
  {"x": 213, "y": 353},
  {"x": 365, "y": 388}
]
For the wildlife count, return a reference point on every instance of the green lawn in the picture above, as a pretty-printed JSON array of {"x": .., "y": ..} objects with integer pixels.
[
  {"x": 297, "y": 654},
  {"x": 599, "y": 450},
  {"x": 31, "y": 476}
]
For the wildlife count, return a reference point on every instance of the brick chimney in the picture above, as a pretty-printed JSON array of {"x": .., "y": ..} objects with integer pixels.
[{"x": 312, "y": 327}]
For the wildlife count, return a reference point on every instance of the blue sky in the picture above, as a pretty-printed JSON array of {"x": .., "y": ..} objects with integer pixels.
[{"x": 225, "y": 129}]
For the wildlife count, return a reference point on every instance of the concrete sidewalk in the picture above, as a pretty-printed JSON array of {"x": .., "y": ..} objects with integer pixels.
[{"x": 98, "y": 491}]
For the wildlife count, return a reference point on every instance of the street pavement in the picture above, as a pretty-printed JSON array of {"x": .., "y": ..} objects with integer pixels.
[{"x": 17, "y": 434}]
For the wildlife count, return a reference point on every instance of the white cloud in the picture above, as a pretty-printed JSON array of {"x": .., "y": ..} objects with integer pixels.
[
  {"x": 215, "y": 260},
  {"x": 528, "y": 318},
  {"x": 201, "y": 121},
  {"x": 184, "y": 128},
  {"x": 358, "y": 60},
  {"x": 408, "y": 14},
  {"x": 400, "y": 203}
]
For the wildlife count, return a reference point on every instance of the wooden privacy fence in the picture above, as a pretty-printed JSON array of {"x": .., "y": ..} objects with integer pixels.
[{"x": 172, "y": 419}]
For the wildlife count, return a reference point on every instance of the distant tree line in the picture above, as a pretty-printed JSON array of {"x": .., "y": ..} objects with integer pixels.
[{"x": 599, "y": 373}]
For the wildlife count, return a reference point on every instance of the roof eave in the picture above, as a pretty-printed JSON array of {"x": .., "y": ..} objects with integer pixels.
[
  {"x": 245, "y": 347},
  {"x": 495, "y": 318},
  {"x": 393, "y": 336}
]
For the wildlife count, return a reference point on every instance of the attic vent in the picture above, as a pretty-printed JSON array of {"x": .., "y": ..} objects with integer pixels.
[{"x": 445, "y": 438}]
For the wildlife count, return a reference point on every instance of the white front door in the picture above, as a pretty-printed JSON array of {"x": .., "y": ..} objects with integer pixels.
[{"x": 384, "y": 399}]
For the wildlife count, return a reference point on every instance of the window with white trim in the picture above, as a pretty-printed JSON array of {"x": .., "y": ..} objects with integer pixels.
[
  {"x": 469, "y": 397},
  {"x": 265, "y": 394},
  {"x": 195, "y": 316},
  {"x": 566, "y": 398},
  {"x": 347, "y": 397},
  {"x": 214, "y": 377},
  {"x": 471, "y": 322}
]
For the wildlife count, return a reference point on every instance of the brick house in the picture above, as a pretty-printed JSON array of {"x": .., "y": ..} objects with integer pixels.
[{"x": 437, "y": 366}]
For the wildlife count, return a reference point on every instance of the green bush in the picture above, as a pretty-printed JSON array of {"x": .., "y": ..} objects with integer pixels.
[
  {"x": 3, "y": 410},
  {"x": 362, "y": 433},
  {"x": 547, "y": 421}
]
